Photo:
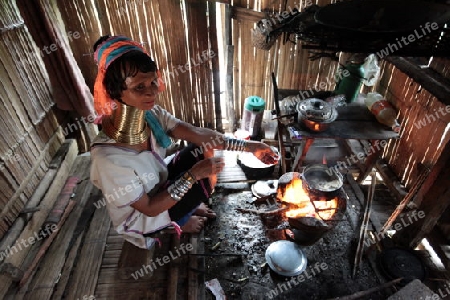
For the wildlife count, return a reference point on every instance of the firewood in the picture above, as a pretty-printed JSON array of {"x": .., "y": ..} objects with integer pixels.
[{"x": 263, "y": 212}]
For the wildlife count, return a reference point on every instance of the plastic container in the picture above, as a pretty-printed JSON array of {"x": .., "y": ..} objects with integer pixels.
[
  {"x": 242, "y": 134},
  {"x": 252, "y": 115},
  {"x": 382, "y": 110},
  {"x": 269, "y": 126},
  {"x": 350, "y": 80}
]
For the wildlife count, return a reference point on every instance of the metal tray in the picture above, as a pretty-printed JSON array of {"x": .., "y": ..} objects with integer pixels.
[{"x": 286, "y": 258}]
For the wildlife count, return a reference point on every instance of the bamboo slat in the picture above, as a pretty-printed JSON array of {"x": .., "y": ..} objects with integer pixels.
[
  {"x": 77, "y": 18},
  {"x": 93, "y": 248}
]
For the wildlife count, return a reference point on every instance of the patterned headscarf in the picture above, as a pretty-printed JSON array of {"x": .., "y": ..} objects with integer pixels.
[{"x": 107, "y": 52}]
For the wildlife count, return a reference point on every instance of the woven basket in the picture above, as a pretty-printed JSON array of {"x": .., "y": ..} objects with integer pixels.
[{"x": 263, "y": 41}]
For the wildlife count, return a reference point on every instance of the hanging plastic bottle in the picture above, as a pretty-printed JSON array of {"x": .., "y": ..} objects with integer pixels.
[
  {"x": 382, "y": 110},
  {"x": 349, "y": 80}
]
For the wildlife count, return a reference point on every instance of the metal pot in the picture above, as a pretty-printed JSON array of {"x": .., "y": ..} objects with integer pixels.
[
  {"x": 316, "y": 114},
  {"x": 321, "y": 181},
  {"x": 253, "y": 168}
]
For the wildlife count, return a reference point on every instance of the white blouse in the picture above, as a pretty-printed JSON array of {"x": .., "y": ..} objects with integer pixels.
[{"x": 124, "y": 175}]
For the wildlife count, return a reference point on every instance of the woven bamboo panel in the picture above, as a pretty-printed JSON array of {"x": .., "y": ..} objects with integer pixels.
[
  {"x": 424, "y": 122},
  {"x": 174, "y": 32},
  {"x": 27, "y": 120},
  {"x": 290, "y": 63}
]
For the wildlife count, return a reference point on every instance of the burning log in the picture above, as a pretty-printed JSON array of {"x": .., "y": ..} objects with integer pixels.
[{"x": 263, "y": 212}]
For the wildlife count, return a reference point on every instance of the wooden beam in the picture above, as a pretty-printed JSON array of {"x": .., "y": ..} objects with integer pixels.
[
  {"x": 434, "y": 203},
  {"x": 245, "y": 14},
  {"x": 391, "y": 180},
  {"x": 432, "y": 81}
]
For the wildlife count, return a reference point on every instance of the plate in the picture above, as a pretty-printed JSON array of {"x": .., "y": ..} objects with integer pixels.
[
  {"x": 286, "y": 258},
  {"x": 263, "y": 188}
]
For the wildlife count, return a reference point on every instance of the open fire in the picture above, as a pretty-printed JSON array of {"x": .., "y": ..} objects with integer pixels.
[{"x": 302, "y": 206}]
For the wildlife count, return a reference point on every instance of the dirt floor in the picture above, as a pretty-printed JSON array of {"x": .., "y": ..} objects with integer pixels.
[{"x": 239, "y": 241}]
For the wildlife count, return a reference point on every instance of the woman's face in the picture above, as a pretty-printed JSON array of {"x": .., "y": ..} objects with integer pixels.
[{"x": 141, "y": 90}]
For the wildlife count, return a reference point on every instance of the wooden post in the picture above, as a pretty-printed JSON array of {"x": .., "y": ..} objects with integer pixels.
[
  {"x": 215, "y": 65},
  {"x": 434, "y": 203},
  {"x": 229, "y": 63},
  {"x": 229, "y": 88}
]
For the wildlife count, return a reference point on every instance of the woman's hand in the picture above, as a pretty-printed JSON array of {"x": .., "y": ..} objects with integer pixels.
[
  {"x": 263, "y": 152},
  {"x": 207, "y": 167}
]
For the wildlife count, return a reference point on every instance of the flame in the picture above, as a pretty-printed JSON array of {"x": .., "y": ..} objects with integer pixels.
[{"x": 295, "y": 194}]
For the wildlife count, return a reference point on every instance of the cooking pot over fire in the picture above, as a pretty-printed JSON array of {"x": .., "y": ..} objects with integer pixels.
[
  {"x": 321, "y": 181},
  {"x": 316, "y": 114}
]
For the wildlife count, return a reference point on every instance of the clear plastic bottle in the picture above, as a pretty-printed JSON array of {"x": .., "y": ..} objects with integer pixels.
[{"x": 383, "y": 110}]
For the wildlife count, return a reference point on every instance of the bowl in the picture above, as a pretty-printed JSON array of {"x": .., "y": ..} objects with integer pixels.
[{"x": 253, "y": 168}]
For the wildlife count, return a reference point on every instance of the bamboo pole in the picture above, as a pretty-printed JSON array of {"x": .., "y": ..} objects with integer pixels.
[{"x": 364, "y": 224}]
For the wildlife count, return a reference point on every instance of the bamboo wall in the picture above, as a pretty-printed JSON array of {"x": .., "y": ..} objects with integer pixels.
[
  {"x": 175, "y": 33},
  {"x": 294, "y": 70},
  {"x": 424, "y": 121},
  {"x": 289, "y": 62},
  {"x": 29, "y": 136}
]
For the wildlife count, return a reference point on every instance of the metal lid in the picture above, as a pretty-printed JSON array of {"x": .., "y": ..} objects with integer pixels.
[
  {"x": 286, "y": 258},
  {"x": 315, "y": 109}
]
